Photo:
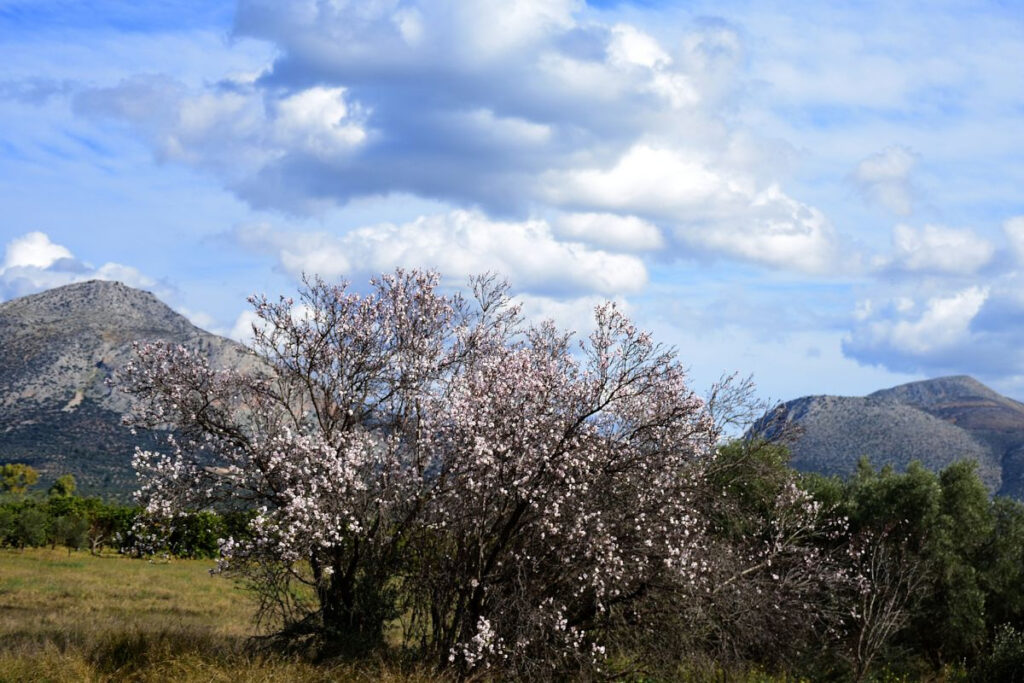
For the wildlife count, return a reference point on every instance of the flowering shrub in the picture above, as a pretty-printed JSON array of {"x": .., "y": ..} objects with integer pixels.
[{"x": 512, "y": 493}]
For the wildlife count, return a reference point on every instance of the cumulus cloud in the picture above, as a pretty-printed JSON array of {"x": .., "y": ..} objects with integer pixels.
[
  {"x": 708, "y": 209},
  {"x": 33, "y": 250},
  {"x": 654, "y": 181},
  {"x": 941, "y": 323},
  {"x": 458, "y": 244},
  {"x": 884, "y": 179},
  {"x": 960, "y": 310},
  {"x": 618, "y": 233},
  {"x": 512, "y": 108},
  {"x": 977, "y": 329},
  {"x": 33, "y": 263},
  {"x": 779, "y": 231},
  {"x": 233, "y": 129},
  {"x": 937, "y": 249}
]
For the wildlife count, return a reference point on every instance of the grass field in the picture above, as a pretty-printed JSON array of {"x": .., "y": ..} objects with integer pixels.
[{"x": 85, "y": 618}]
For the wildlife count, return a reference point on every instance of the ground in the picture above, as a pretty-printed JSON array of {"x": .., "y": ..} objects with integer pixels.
[{"x": 83, "y": 618}]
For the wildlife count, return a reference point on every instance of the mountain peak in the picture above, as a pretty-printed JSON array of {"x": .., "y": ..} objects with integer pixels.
[
  {"x": 941, "y": 390},
  {"x": 58, "y": 348},
  {"x": 95, "y": 303},
  {"x": 936, "y": 421}
]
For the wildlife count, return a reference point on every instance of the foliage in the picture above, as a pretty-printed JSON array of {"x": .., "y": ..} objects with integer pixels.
[
  {"x": 946, "y": 560},
  {"x": 72, "y": 532},
  {"x": 75, "y": 523},
  {"x": 17, "y": 477},
  {"x": 30, "y": 527},
  {"x": 512, "y": 493},
  {"x": 63, "y": 486},
  {"x": 780, "y": 574},
  {"x": 1005, "y": 660}
]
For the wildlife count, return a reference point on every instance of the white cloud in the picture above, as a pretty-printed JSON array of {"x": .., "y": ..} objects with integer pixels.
[
  {"x": 943, "y": 322},
  {"x": 631, "y": 46},
  {"x": 495, "y": 27},
  {"x": 458, "y": 244},
  {"x": 317, "y": 120},
  {"x": 884, "y": 178},
  {"x": 937, "y": 249},
  {"x": 943, "y": 332},
  {"x": 777, "y": 231},
  {"x": 633, "y": 51},
  {"x": 710, "y": 209},
  {"x": 32, "y": 250},
  {"x": 236, "y": 129},
  {"x": 618, "y": 233},
  {"x": 517, "y": 107},
  {"x": 648, "y": 180}
]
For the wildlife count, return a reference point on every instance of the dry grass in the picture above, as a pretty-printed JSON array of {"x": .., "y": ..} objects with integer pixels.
[{"x": 84, "y": 618}]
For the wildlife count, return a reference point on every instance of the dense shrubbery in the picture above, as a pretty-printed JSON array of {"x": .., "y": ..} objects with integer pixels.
[
  {"x": 930, "y": 572},
  {"x": 63, "y": 519},
  {"x": 944, "y": 560}
]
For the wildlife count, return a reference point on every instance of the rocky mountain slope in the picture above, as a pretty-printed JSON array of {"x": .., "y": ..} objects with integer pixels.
[
  {"x": 57, "y": 349},
  {"x": 57, "y": 413},
  {"x": 936, "y": 421}
]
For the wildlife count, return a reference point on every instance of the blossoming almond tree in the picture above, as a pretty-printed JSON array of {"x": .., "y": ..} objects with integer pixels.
[
  {"x": 508, "y": 493},
  {"x": 319, "y": 439},
  {"x": 563, "y": 495}
]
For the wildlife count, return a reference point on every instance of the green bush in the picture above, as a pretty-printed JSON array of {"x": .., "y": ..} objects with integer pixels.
[{"x": 30, "y": 527}]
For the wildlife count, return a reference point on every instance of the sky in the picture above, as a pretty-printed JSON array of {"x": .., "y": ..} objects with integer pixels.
[{"x": 827, "y": 196}]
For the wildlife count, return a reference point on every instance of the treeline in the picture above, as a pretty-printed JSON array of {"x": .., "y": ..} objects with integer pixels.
[
  {"x": 919, "y": 575},
  {"x": 943, "y": 568},
  {"x": 59, "y": 517}
]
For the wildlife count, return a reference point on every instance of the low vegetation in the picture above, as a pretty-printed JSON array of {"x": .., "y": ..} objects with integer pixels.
[
  {"x": 942, "y": 598},
  {"x": 106, "y": 617}
]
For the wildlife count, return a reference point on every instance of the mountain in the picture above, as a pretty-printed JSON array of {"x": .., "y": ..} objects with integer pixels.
[
  {"x": 57, "y": 350},
  {"x": 937, "y": 421}
]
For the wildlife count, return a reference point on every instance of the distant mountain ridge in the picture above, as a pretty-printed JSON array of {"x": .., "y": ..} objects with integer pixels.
[
  {"x": 936, "y": 421},
  {"x": 57, "y": 349}
]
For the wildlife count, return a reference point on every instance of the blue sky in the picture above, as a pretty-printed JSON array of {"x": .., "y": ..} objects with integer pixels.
[{"x": 828, "y": 197}]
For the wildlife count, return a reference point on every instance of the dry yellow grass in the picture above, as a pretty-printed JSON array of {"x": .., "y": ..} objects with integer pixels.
[
  {"x": 93, "y": 619},
  {"x": 84, "y": 618},
  {"x": 43, "y": 590}
]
